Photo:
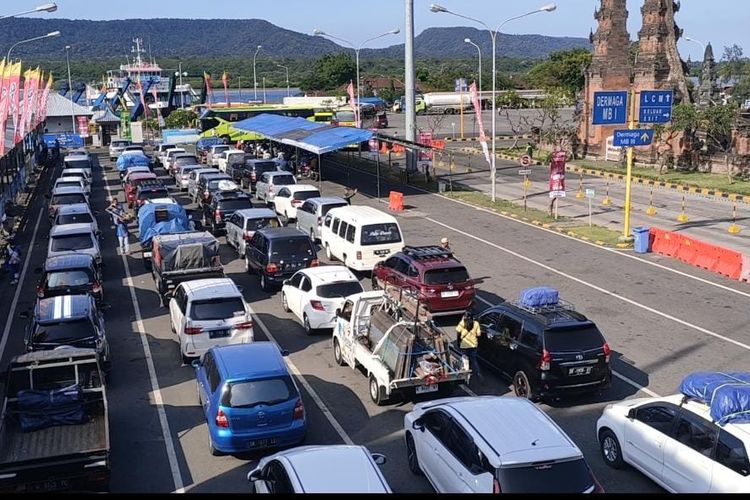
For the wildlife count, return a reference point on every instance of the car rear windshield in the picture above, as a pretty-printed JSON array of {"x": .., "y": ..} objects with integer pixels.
[
  {"x": 255, "y": 224},
  {"x": 555, "y": 477},
  {"x": 236, "y": 204},
  {"x": 214, "y": 183},
  {"x": 68, "y": 199},
  {"x": 185, "y": 160},
  {"x": 292, "y": 247},
  {"x": 64, "y": 332},
  {"x": 68, "y": 184},
  {"x": 325, "y": 208},
  {"x": 253, "y": 393},
  {"x": 284, "y": 180},
  {"x": 78, "y": 164},
  {"x": 218, "y": 308},
  {"x": 446, "y": 276},
  {"x": 63, "y": 279},
  {"x": 262, "y": 167},
  {"x": 573, "y": 338},
  {"x": 153, "y": 193},
  {"x": 306, "y": 195},
  {"x": 378, "y": 234},
  {"x": 72, "y": 242},
  {"x": 336, "y": 290},
  {"x": 120, "y": 144},
  {"x": 81, "y": 218}
]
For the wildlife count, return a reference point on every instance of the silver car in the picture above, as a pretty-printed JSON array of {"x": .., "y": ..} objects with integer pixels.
[
  {"x": 116, "y": 147},
  {"x": 182, "y": 175},
  {"x": 242, "y": 225},
  {"x": 268, "y": 184},
  {"x": 76, "y": 238},
  {"x": 78, "y": 213},
  {"x": 310, "y": 215},
  {"x": 193, "y": 178}
]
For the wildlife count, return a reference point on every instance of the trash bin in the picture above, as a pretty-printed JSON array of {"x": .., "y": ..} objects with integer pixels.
[
  {"x": 641, "y": 239},
  {"x": 441, "y": 186}
]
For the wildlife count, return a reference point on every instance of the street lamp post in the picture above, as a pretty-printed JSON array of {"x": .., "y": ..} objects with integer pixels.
[
  {"x": 468, "y": 40},
  {"x": 264, "y": 90},
  {"x": 48, "y": 35},
  {"x": 703, "y": 45},
  {"x": 255, "y": 79},
  {"x": 180, "y": 74},
  {"x": 288, "y": 93},
  {"x": 48, "y": 7},
  {"x": 318, "y": 32},
  {"x": 70, "y": 89},
  {"x": 493, "y": 36}
]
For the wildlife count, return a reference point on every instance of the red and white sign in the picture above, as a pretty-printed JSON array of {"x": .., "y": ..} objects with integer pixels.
[
  {"x": 557, "y": 175},
  {"x": 426, "y": 139},
  {"x": 526, "y": 161},
  {"x": 83, "y": 125}
]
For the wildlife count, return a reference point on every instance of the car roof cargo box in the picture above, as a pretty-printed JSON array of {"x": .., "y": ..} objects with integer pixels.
[
  {"x": 726, "y": 393},
  {"x": 186, "y": 251}
]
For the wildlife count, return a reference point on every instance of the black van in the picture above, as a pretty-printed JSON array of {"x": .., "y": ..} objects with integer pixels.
[
  {"x": 70, "y": 274},
  {"x": 276, "y": 254},
  {"x": 544, "y": 350}
]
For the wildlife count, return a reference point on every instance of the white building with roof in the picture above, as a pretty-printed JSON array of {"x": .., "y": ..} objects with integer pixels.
[{"x": 59, "y": 112}]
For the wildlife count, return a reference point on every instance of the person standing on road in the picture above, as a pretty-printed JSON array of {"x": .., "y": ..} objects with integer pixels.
[
  {"x": 122, "y": 235},
  {"x": 445, "y": 244},
  {"x": 114, "y": 206},
  {"x": 467, "y": 336},
  {"x": 14, "y": 262},
  {"x": 349, "y": 194}
]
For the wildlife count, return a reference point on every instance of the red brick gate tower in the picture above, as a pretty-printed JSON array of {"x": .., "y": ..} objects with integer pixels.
[{"x": 609, "y": 70}]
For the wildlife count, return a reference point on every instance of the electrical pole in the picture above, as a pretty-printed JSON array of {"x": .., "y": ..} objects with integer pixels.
[{"x": 410, "y": 82}]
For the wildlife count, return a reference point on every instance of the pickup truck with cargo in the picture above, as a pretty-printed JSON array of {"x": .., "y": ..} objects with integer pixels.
[{"x": 54, "y": 429}]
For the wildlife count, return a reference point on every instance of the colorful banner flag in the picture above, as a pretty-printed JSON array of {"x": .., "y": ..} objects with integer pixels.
[
  {"x": 25, "y": 106},
  {"x": 209, "y": 88},
  {"x": 225, "y": 81},
  {"x": 33, "y": 98},
  {"x": 14, "y": 97},
  {"x": 350, "y": 91},
  {"x": 478, "y": 111},
  {"x": 45, "y": 95},
  {"x": 3, "y": 103},
  {"x": 143, "y": 99},
  {"x": 158, "y": 109},
  {"x": 37, "y": 99}
]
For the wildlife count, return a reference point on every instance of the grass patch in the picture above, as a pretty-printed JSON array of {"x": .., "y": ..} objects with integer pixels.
[
  {"x": 597, "y": 233},
  {"x": 483, "y": 200}
]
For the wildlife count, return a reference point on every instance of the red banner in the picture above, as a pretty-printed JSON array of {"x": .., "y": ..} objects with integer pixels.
[
  {"x": 29, "y": 101},
  {"x": 209, "y": 88},
  {"x": 14, "y": 98},
  {"x": 425, "y": 154},
  {"x": 350, "y": 91},
  {"x": 557, "y": 173},
  {"x": 478, "y": 110},
  {"x": 45, "y": 95}
]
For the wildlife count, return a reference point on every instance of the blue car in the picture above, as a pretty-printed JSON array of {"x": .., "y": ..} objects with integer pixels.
[{"x": 249, "y": 399}]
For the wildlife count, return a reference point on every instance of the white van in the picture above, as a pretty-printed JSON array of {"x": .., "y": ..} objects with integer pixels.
[{"x": 360, "y": 236}]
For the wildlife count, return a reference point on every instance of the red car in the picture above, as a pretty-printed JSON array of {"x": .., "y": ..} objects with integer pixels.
[
  {"x": 132, "y": 185},
  {"x": 443, "y": 283}
]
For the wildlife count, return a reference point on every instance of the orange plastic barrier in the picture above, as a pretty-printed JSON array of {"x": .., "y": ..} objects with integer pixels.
[
  {"x": 728, "y": 263},
  {"x": 438, "y": 144},
  {"x": 397, "y": 149},
  {"x": 665, "y": 242},
  {"x": 745, "y": 274},
  {"x": 706, "y": 256},
  {"x": 383, "y": 148},
  {"x": 396, "y": 201},
  {"x": 688, "y": 249}
]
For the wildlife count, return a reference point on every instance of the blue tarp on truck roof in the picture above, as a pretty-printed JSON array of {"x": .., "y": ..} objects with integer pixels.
[
  {"x": 726, "y": 393},
  {"x": 125, "y": 161},
  {"x": 172, "y": 219}
]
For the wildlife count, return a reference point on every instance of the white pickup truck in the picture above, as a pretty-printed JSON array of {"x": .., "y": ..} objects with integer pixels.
[{"x": 397, "y": 353}]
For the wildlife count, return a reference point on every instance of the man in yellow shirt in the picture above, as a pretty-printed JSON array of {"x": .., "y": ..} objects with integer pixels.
[{"x": 467, "y": 334}]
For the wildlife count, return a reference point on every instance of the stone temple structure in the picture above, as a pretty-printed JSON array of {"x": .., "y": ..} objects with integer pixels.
[{"x": 707, "y": 93}]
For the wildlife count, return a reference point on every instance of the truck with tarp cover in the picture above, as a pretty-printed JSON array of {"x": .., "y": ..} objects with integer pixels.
[
  {"x": 54, "y": 432},
  {"x": 158, "y": 218},
  {"x": 394, "y": 338},
  {"x": 134, "y": 160},
  {"x": 182, "y": 257}
]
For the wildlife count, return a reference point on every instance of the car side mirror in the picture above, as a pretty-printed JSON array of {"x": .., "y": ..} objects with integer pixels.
[
  {"x": 284, "y": 352},
  {"x": 379, "y": 458},
  {"x": 418, "y": 425},
  {"x": 631, "y": 413},
  {"x": 285, "y": 282},
  {"x": 338, "y": 312},
  {"x": 253, "y": 475},
  {"x": 196, "y": 363}
]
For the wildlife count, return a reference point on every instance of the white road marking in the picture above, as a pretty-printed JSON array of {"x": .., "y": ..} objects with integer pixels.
[
  {"x": 179, "y": 486},
  {"x": 21, "y": 277},
  {"x": 592, "y": 286},
  {"x": 316, "y": 398}
]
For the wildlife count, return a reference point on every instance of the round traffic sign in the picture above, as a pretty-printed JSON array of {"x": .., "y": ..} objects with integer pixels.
[{"x": 526, "y": 160}]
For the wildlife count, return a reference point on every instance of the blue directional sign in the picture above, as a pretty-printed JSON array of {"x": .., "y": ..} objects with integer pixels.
[
  {"x": 610, "y": 108},
  {"x": 633, "y": 138},
  {"x": 656, "y": 106}
]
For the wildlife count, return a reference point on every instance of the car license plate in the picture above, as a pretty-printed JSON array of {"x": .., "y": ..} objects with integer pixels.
[
  {"x": 424, "y": 389},
  {"x": 60, "y": 484},
  {"x": 579, "y": 370},
  {"x": 381, "y": 252},
  {"x": 447, "y": 295},
  {"x": 263, "y": 443},
  {"x": 146, "y": 254},
  {"x": 217, "y": 334}
]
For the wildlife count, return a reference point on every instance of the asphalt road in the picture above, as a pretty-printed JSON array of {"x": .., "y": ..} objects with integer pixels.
[{"x": 662, "y": 320}]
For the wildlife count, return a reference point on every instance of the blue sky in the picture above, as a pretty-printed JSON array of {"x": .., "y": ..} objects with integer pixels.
[{"x": 721, "y": 22}]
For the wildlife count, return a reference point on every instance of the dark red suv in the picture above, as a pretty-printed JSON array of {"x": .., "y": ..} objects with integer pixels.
[{"x": 441, "y": 280}]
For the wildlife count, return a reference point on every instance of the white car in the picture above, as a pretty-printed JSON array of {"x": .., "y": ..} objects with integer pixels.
[
  {"x": 161, "y": 152},
  {"x": 171, "y": 153},
  {"x": 289, "y": 198},
  {"x": 270, "y": 183},
  {"x": 182, "y": 176},
  {"x": 74, "y": 238},
  {"x": 335, "y": 468},
  {"x": 314, "y": 294},
  {"x": 674, "y": 441},
  {"x": 72, "y": 182},
  {"x": 209, "y": 312},
  {"x": 81, "y": 173},
  {"x": 116, "y": 147},
  {"x": 212, "y": 157},
  {"x": 493, "y": 444},
  {"x": 227, "y": 156},
  {"x": 242, "y": 225}
]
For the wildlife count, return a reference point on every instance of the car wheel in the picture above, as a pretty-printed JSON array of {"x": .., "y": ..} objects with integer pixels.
[
  {"x": 248, "y": 269},
  {"x": 411, "y": 456},
  {"x": 522, "y": 387},
  {"x": 377, "y": 393},
  {"x": 611, "y": 450},
  {"x": 213, "y": 451},
  {"x": 284, "y": 303},
  {"x": 337, "y": 357},
  {"x": 306, "y": 323},
  {"x": 241, "y": 250},
  {"x": 375, "y": 284},
  {"x": 286, "y": 218},
  {"x": 329, "y": 255},
  {"x": 312, "y": 235},
  {"x": 296, "y": 225},
  {"x": 264, "y": 283}
]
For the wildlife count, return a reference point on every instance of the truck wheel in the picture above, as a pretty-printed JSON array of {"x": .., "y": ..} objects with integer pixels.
[
  {"x": 522, "y": 386},
  {"x": 375, "y": 284},
  {"x": 284, "y": 303},
  {"x": 337, "y": 357},
  {"x": 377, "y": 392},
  {"x": 411, "y": 456},
  {"x": 329, "y": 255}
]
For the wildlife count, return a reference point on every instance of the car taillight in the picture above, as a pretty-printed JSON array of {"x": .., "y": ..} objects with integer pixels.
[
  {"x": 427, "y": 291},
  {"x": 193, "y": 330},
  {"x": 96, "y": 287},
  {"x": 359, "y": 255},
  {"x": 317, "y": 305},
  {"x": 221, "y": 419},
  {"x": 314, "y": 263},
  {"x": 296, "y": 203},
  {"x": 217, "y": 217},
  {"x": 320, "y": 221},
  {"x": 272, "y": 268},
  {"x": 40, "y": 291},
  {"x": 607, "y": 352},
  {"x": 247, "y": 236},
  {"x": 245, "y": 325},
  {"x": 270, "y": 189},
  {"x": 496, "y": 486},
  {"x": 299, "y": 410},
  {"x": 544, "y": 361}
]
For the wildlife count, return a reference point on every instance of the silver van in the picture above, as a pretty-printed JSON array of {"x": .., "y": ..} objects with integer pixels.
[{"x": 311, "y": 214}]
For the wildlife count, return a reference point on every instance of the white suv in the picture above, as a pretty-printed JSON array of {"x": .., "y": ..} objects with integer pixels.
[
  {"x": 209, "y": 312},
  {"x": 116, "y": 147},
  {"x": 270, "y": 183},
  {"x": 493, "y": 444}
]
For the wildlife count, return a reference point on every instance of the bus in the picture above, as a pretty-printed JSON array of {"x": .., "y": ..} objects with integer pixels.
[
  {"x": 345, "y": 117},
  {"x": 216, "y": 121}
]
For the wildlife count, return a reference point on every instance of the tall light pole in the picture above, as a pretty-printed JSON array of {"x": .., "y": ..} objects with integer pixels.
[
  {"x": 703, "y": 45},
  {"x": 70, "y": 89},
  {"x": 264, "y": 90},
  {"x": 255, "y": 79},
  {"x": 48, "y": 35},
  {"x": 180, "y": 74},
  {"x": 493, "y": 36},
  {"x": 410, "y": 84},
  {"x": 288, "y": 93},
  {"x": 318, "y": 32},
  {"x": 468, "y": 40},
  {"x": 47, "y": 7}
]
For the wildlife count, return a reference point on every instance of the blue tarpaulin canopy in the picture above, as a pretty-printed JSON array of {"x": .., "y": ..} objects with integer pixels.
[
  {"x": 175, "y": 219},
  {"x": 125, "y": 161},
  {"x": 317, "y": 138}
]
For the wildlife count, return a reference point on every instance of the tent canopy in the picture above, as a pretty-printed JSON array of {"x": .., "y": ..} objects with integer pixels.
[{"x": 317, "y": 138}]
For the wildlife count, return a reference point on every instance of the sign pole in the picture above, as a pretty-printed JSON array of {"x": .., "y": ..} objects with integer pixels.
[
  {"x": 377, "y": 173},
  {"x": 626, "y": 237},
  {"x": 590, "y": 222},
  {"x": 461, "y": 107},
  {"x": 525, "y": 190}
]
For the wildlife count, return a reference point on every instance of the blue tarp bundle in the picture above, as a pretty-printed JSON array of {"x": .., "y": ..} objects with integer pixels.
[
  {"x": 125, "y": 161},
  {"x": 540, "y": 296},
  {"x": 42, "y": 409},
  {"x": 727, "y": 394},
  {"x": 177, "y": 221}
]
